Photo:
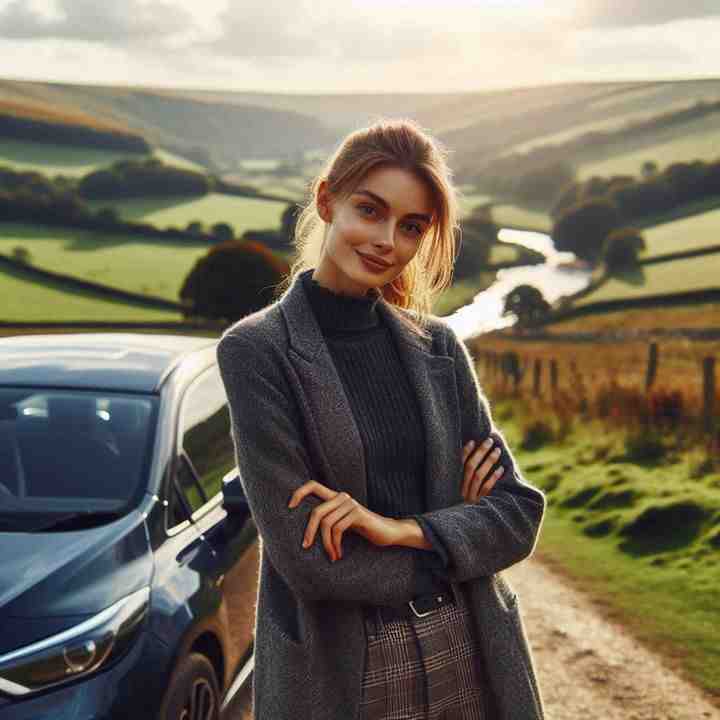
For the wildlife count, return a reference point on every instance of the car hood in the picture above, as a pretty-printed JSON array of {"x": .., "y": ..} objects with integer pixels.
[{"x": 51, "y": 581}]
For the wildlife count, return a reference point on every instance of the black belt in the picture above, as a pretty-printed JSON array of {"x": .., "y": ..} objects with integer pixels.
[{"x": 421, "y": 606}]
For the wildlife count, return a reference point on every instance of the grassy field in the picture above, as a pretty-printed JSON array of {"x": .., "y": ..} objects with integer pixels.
[
  {"x": 241, "y": 212},
  {"x": 516, "y": 216},
  {"x": 685, "y": 234},
  {"x": 688, "y": 316},
  {"x": 469, "y": 201},
  {"x": 699, "y": 140},
  {"x": 642, "y": 537},
  {"x": 152, "y": 267},
  {"x": 71, "y": 161},
  {"x": 695, "y": 273},
  {"x": 28, "y": 300}
]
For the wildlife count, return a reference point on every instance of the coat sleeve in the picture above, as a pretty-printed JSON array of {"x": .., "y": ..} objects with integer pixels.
[
  {"x": 502, "y": 528},
  {"x": 273, "y": 462}
]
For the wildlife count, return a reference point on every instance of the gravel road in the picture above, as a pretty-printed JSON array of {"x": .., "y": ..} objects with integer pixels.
[{"x": 589, "y": 667}]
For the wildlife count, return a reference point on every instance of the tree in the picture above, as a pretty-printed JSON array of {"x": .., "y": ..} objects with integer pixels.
[
  {"x": 478, "y": 236},
  {"x": 527, "y": 303},
  {"x": 582, "y": 228},
  {"x": 288, "y": 221},
  {"x": 107, "y": 215},
  {"x": 649, "y": 169},
  {"x": 622, "y": 248},
  {"x": 231, "y": 280},
  {"x": 21, "y": 254},
  {"x": 222, "y": 232},
  {"x": 195, "y": 227}
]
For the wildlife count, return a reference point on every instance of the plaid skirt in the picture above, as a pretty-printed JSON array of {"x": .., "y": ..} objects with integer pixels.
[{"x": 427, "y": 668}]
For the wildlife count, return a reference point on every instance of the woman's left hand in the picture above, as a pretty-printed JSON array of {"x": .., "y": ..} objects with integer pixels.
[{"x": 341, "y": 512}]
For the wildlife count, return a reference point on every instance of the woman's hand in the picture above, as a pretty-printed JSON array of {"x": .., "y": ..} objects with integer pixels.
[
  {"x": 477, "y": 462},
  {"x": 339, "y": 513}
]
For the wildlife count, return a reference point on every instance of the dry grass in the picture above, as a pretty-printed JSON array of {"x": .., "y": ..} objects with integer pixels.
[{"x": 41, "y": 111}]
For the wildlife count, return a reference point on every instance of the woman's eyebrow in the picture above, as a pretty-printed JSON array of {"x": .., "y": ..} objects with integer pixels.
[{"x": 381, "y": 201}]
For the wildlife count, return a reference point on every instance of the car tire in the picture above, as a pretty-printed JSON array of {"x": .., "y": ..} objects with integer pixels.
[{"x": 193, "y": 692}]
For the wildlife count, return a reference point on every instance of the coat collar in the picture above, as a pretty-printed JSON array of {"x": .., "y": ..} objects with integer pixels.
[
  {"x": 431, "y": 376},
  {"x": 306, "y": 335}
]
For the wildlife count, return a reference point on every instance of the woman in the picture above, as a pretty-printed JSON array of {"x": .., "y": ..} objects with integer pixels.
[{"x": 383, "y": 528}]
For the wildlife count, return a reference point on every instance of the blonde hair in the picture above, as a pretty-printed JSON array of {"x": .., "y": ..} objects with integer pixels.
[{"x": 404, "y": 144}]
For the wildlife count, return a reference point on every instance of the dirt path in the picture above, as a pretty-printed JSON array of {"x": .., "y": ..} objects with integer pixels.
[{"x": 589, "y": 666}]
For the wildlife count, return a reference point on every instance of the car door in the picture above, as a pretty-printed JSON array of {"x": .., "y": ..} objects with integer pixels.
[{"x": 207, "y": 454}]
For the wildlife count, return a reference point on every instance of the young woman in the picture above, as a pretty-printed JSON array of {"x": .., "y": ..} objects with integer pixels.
[{"x": 386, "y": 499}]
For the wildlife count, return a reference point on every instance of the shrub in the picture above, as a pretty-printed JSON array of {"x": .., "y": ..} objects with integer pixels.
[
  {"x": 644, "y": 446},
  {"x": 536, "y": 434},
  {"x": 622, "y": 247}
]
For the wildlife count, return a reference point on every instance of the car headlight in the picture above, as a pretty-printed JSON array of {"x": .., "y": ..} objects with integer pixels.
[{"x": 75, "y": 652}]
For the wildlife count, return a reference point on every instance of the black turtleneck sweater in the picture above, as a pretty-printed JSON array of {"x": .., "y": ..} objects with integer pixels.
[{"x": 385, "y": 410}]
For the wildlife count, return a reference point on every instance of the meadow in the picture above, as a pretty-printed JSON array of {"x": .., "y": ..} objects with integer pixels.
[
  {"x": 26, "y": 299},
  {"x": 242, "y": 213},
  {"x": 697, "y": 140},
  {"x": 641, "y": 537},
  {"x": 70, "y": 161},
  {"x": 675, "y": 276},
  {"x": 142, "y": 265},
  {"x": 687, "y": 233},
  {"x": 508, "y": 215}
]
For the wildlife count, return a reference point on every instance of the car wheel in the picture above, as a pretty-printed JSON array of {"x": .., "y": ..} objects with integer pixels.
[{"x": 193, "y": 692}]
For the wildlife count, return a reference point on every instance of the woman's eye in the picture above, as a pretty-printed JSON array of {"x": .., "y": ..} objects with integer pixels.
[
  {"x": 366, "y": 207},
  {"x": 417, "y": 228}
]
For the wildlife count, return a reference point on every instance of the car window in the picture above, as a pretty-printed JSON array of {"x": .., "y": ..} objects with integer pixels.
[
  {"x": 66, "y": 450},
  {"x": 206, "y": 438}
]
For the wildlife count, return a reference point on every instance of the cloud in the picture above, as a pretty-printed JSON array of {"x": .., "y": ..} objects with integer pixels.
[
  {"x": 113, "y": 24},
  {"x": 624, "y": 13},
  {"x": 325, "y": 29}
]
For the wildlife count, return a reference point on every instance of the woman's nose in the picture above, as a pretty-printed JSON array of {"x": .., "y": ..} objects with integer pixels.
[{"x": 386, "y": 235}]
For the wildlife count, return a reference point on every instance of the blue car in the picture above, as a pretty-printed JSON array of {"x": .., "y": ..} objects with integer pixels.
[{"x": 128, "y": 556}]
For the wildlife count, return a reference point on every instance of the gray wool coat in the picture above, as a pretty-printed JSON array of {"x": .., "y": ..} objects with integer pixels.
[{"x": 291, "y": 422}]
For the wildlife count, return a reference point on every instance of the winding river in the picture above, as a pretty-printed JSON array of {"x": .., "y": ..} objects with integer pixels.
[{"x": 561, "y": 274}]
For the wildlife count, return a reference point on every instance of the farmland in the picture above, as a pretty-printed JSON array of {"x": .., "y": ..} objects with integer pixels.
[
  {"x": 685, "y": 234},
  {"x": 242, "y": 213},
  {"x": 28, "y": 300},
  {"x": 74, "y": 162},
  {"x": 146, "y": 266}
]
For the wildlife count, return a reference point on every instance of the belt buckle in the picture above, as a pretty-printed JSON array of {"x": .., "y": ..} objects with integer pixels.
[{"x": 411, "y": 603}]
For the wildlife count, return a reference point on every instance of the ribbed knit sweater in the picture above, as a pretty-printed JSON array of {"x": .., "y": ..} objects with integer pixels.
[{"x": 385, "y": 411}]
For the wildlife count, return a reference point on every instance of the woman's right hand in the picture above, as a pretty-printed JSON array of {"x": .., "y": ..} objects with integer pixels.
[{"x": 477, "y": 461}]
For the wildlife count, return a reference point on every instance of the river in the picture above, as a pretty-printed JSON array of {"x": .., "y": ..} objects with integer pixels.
[{"x": 561, "y": 274}]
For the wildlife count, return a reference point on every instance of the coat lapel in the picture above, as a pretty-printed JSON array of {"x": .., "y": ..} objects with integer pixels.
[{"x": 432, "y": 378}]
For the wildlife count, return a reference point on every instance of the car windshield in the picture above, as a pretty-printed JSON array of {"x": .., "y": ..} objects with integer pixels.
[{"x": 66, "y": 451}]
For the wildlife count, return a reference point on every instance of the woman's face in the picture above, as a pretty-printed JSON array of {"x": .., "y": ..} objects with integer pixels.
[{"x": 386, "y": 217}]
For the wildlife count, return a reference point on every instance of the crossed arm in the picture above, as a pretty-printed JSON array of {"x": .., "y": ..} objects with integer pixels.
[
  {"x": 271, "y": 454},
  {"x": 501, "y": 528}
]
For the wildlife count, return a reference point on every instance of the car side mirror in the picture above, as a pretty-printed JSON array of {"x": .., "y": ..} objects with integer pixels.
[{"x": 234, "y": 499}]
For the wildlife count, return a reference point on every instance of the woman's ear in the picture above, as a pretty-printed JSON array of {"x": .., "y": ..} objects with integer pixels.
[{"x": 322, "y": 201}]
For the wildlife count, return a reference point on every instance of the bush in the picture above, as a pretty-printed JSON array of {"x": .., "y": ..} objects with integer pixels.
[
  {"x": 536, "y": 434},
  {"x": 582, "y": 229},
  {"x": 232, "y": 280},
  {"x": 621, "y": 248},
  {"x": 644, "y": 446}
]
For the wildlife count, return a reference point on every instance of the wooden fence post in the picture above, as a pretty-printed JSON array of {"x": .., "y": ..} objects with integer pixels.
[
  {"x": 537, "y": 370},
  {"x": 651, "y": 370},
  {"x": 553, "y": 376}
]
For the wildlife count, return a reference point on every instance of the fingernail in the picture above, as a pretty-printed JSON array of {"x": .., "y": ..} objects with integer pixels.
[{"x": 305, "y": 543}]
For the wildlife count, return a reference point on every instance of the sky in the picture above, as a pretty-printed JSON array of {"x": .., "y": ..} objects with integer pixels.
[{"x": 333, "y": 46}]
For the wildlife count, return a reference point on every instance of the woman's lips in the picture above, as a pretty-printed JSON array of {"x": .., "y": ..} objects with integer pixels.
[{"x": 372, "y": 265}]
